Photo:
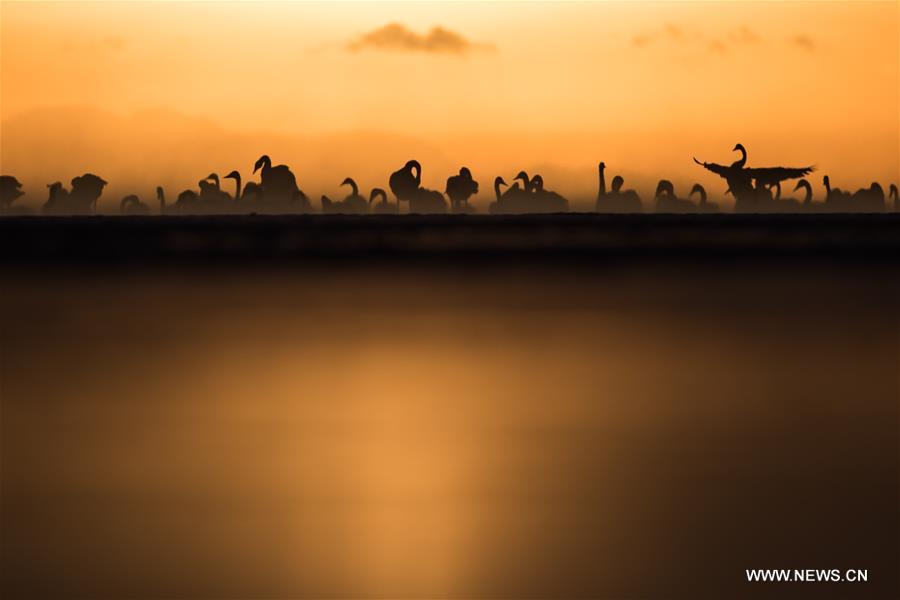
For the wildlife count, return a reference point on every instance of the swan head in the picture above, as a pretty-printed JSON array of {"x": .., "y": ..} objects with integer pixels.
[
  {"x": 523, "y": 176},
  {"x": 377, "y": 192},
  {"x": 538, "y": 182},
  {"x": 801, "y": 184},
  {"x": 349, "y": 181},
  {"x": 826, "y": 181},
  {"x": 601, "y": 166},
  {"x": 233, "y": 175},
  {"x": 263, "y": 161},
  {"x": 498, "y": 181},
  {"x": 697, "y": 189},
  {"x": 213, "y": 177},
  {"x": 465, "y": 172},
  {"x": 617, "y": 182},
  {"x": 739, "y": 148},
  {"x": 159, "y": 190},
  {"x": 665, "y": 187}
]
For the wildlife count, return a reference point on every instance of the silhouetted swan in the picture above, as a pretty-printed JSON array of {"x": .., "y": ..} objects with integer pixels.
[
  {"x": 870, "y": 199},
  {"x": 601, "y": 184},
  {"x": 739, "y": 164},
  {"x": 459, "y": 189},
  {"x": 212, "y": 198},
  {"x": 615, "y": 201},
  {"x": 383, "y": 207},
  {"x": 404, "y": 183},
  {"x": 704, "y": 206},
  {"x": 425, "y": 201},
  {"x": 741, "y": 180},
  {"x": 279, "y": 186},
  {"x": 836, "y": 200},
  {"x": 237, "y": 185},
  {"x": 893, "y": 194},
  {"x": 352, "y": 204},
  {"x": 546, "y": 200},
  {"x": 628, "y": 200},
  {"x": 86, "y": 191},
  {"x": 497, "y": 206},
  {"x": 57, "y": 198},
  {"x": 10, "y": 190},
  {"x": 806, "y": 203},
  {"x": 132, "y": 205},
  {"x": 668, "y": 202}
]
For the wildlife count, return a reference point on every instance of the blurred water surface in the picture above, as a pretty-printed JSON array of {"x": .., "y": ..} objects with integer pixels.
[{"x": 464, "y": 432}]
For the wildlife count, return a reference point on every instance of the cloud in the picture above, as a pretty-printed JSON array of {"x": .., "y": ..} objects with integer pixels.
[
  {"x": 803, "y": 41},
  {"x": 744, "y": 35},
  {"x": 397, "y": 37}
]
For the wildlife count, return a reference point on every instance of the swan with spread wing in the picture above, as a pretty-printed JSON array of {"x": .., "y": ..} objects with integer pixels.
[{"x": 744, "y": 182}]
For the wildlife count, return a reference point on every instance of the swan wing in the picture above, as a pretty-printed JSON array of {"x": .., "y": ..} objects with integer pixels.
[
  {"x": 720, "y": 170},
  {"x": 773, "y": 175}
]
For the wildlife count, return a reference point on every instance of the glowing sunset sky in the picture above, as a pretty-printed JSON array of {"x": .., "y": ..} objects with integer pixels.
[{"x": 150, "y": 93}]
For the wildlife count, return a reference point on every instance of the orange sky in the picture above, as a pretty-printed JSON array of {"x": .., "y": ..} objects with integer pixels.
[{"x": 166, "y": 92}]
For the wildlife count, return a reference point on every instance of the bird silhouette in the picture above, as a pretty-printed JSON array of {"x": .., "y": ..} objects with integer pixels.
[
  {"x": 404, "y": 182},
  {"x": 425, "y": 201},
  {"x": 893, "y": 194},
  {"x": 615, "y": 201},
  {"x": 704, "y": 206},
  {"x": 741, "y": 179},
  {"x": 806, "y": 203},
  {"x": 132, "y": 205},
  {"x": 546, "y": 200},
  {"x": 459, "y": 189},
  {"x": 497, "y": 206},
  {"x": 237, "y": 186},
  {"x": 82, "y": 199},
  {"x": 10, "y": 190},
  {"x": 739, "y": 164},
  {"x": 279, "y": 187},
  {"x": 213, "y": 199},
  {"x": 668, "y": 202},
  {"x": 352, "y": 204},
  {"x": 57, "y": 199},
  {"x": 870, "y": 199},
  {"x": 836, "y": 200},
  {"x": 383, "y": 207}
]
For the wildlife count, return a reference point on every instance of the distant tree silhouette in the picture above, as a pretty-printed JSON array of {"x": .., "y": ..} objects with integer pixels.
[{"x": 459, "y": 189}]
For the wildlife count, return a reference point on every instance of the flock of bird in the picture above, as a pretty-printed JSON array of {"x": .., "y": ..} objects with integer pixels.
[{"x": 754, "y": 190}]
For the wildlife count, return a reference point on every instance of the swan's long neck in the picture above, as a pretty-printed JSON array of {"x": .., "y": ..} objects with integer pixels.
[
  {"x": 702, "y": 193},
  {"x": 807, "y": 199},
  {"x": 161, "y": 196},
  {"x": 353, "y": 187},
  {"x": 601, "y": 189},
  {"x": 827, "y": 187},
  {"x": 497, "y": 189},
  {"x": 237, "y": 187}
]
